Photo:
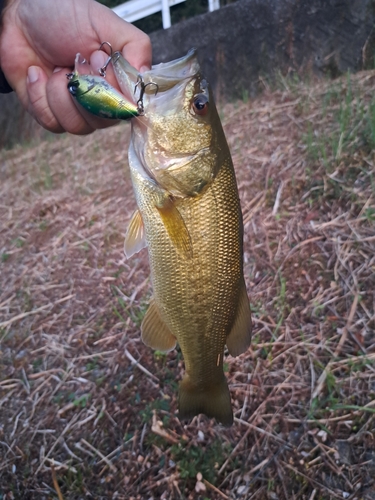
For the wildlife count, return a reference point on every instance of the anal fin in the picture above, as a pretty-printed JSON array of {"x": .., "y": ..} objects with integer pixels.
[
  {"x": 155, "y": 332},
  {"x": 239, "y": 337}
]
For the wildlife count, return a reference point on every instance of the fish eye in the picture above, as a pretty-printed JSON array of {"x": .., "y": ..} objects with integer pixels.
[
  {"x": 200, "y": 104},
  {"x": 73, "y": 87}
]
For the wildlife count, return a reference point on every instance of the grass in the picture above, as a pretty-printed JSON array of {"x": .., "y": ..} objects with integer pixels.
[
  {"x": 353, "y": 127},
  {"x": 86, "y": 410}
]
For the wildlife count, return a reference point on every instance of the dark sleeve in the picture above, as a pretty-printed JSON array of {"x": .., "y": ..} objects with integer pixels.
[{"x": 5, "y": 88}]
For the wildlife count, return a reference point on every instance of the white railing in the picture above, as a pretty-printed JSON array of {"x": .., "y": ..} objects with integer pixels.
[{"x": 133, "y": 10}]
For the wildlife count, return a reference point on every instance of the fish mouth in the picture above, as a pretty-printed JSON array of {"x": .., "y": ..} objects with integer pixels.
[
  {"x": 160, "y": 78},
  {"x": 167, "y": 75}
]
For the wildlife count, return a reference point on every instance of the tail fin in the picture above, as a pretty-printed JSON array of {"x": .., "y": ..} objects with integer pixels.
[{"x": 213, "y": 400}]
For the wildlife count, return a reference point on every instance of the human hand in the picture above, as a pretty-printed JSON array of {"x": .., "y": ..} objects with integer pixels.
[{"x": 38, "y": 44}]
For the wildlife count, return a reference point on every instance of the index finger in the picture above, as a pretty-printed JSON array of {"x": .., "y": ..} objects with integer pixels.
[{"x": 134, "y": 43}]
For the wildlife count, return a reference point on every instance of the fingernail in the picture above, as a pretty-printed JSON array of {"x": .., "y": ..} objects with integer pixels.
[
  {"x": 98, "y": 58},
  {"x": 33, "y": 74},
  {"x": 143, "y": 69},
  {"x": 57, "y": 69}
]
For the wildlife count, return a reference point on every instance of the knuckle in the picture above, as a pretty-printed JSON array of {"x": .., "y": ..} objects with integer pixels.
[
  {"x": 42, "y": 113},
  {"x": 73, "y": 121},
  {"x": 81, "y": 128},
  {"x": 51, "y": 124},
  {"x": 145, "y": 42}
]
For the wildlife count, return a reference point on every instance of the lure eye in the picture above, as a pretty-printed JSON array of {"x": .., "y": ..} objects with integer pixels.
[
  {"x": 73, "y": 87},
  {"x": 200, "y": 104}
]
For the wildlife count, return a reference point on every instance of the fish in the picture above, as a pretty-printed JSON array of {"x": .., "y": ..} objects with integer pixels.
[
  {"x": 189, "y": 218},
  {"x": 95, "y": 94}
]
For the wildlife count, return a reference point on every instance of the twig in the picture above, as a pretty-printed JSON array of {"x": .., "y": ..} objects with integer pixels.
[
  {"x": 66, "y": 429},
  {"x": 261, "y": 431},
  {"x": 216, "y": 490},
  {"x": 342, "y": 340},
  {"x": 9, "y": 299},
  {"x": 299, "y": 473},
  {"x": 96, "y": 355},
  {"x": 4, "y": 324},
  {"x": 156, "y": 428},
  {"x": 138, "y": 365},
  {"x": 60, "y": 465},
  {"x": 259, "y": 466},
  {"x": 223, "y": 467},
  {"x": 104, "y": 458},
  {"x": 278, "y": 198},
  {"x": 55, "y": 483}
]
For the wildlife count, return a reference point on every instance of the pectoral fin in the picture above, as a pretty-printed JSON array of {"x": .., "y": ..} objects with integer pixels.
[
  {"x": 239, "y": 338},
  {"x": 135, "y": 235},
  {"x": 155, "y": 332},
  {"x": 176, "y": 228}
]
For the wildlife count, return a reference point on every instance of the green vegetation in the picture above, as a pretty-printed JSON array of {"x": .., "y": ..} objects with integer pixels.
[
  {"x": 135, "y": 311},
  {"x": 192, "y": 459},
  {"x": 352, "y": 127},
  {"x": 5, "y": 256}
]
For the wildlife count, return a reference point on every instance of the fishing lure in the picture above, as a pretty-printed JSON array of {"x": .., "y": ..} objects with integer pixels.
[{"x": 98, "y": 96}]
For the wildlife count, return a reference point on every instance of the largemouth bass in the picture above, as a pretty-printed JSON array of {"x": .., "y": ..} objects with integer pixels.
[{"x": 189, "y": 217}]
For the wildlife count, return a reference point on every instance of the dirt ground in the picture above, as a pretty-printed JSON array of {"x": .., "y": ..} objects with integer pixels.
[{"x": 88, "y": 411}]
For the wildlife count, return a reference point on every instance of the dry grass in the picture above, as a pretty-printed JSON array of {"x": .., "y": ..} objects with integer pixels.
[{"x": 87, "y": 411}]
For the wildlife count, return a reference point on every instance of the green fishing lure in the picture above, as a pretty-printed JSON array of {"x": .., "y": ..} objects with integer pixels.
[{"x": 98, "y": 97}]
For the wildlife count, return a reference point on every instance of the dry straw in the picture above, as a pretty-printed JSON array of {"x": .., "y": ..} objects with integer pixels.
[{"x": 86, "y": 410}]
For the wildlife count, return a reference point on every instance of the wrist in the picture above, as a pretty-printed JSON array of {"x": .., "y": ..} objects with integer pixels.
[
  {"x": 5, "y": 88},
  {"x": 3, "y": 4}
]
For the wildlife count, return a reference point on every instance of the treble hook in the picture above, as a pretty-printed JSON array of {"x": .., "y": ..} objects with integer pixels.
[
  {"x": 143, "y": 86},
  {"x": 103, "y": 69}
]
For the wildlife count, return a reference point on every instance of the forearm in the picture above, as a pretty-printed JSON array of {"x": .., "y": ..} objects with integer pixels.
[{"x": 5, "y": 88}]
